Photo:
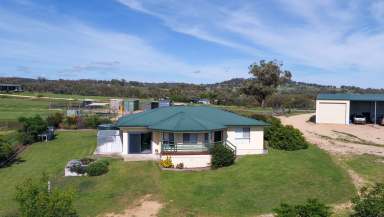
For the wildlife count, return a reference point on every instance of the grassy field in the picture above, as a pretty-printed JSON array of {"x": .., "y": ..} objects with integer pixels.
[
  {"x": 249, "y": 111},
  {"x": 66, "y": 96},
  {"x": 369, "y": 167},
  {"x": 13, "y": 108},
  {"x": 48, "y": 157},
  {"x": 255, "y": 184}
]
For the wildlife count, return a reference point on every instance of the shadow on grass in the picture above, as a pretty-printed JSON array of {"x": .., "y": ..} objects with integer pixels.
[{"x": 13, "y": 162}]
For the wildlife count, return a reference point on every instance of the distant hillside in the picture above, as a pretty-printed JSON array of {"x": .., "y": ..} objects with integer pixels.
[{"x": 226, "y": 92}]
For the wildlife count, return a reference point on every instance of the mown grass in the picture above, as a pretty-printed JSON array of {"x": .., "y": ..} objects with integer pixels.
[
  {"x": 50, "y": 157},
  {"x": 115, "y": 191},
  {"x": 13, "y": 108},
  {"x": 255, "y": 184},
  {"x": 369, "y": 167}
]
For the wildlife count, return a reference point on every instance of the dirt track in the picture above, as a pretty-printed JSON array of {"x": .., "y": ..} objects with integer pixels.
[{"x": 340, "y": 139}]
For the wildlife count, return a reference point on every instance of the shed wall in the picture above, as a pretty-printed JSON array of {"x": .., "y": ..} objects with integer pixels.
[{"x": 332, "y": 111}]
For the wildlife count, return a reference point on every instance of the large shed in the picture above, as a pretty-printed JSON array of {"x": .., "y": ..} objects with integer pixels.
[{"x": 340, "y": 108}]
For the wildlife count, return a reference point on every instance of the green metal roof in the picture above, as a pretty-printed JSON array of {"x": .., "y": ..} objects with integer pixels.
[
  {"x": 351, "y": 97},
  {"x": 187, "y": 119}
]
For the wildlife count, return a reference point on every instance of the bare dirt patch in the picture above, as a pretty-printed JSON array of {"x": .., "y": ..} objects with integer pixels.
[
  {"x": 145, "y": 207},
  {"x": 340, "y": 139}
]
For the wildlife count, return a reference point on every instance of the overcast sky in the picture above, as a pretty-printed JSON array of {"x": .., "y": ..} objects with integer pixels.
[{"x": 321, "y": 41}]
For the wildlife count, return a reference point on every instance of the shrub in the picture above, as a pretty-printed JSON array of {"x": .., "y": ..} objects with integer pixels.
[
  {"x": 6, "y": 150},
  {"x": 266, "y": 118},
  {"x": 31, "y": 128},
  {"x": 167, "y": 162},
  {"x": 35, "y": 200},
  {"x": 93, "y": 121},
  {"x": 180, "y": 166},
  {"x": 86, "y": 160},
  {"x": 310, "y": 209},
  {"x": 221, "y": 156},
  {"x": 97, "y": 168},
  {"x": 284, "y": 137},
  {"x": 55, "y": 119},
  {"x": 71, "y": 122},
  {"x": 370, "y": 202}
]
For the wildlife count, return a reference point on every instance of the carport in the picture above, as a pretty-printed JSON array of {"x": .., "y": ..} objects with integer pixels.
[{"x": 341, "y": 108}]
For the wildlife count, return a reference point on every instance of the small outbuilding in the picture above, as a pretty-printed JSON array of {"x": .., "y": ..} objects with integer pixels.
[
  {"x": 11, "y": 88},
  {"x": 131, "y": 105},
  {"x": 108, "y": 140},
  {"x": 341, "y": 108}
]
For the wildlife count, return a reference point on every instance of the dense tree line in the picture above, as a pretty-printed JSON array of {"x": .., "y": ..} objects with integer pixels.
[{"x": 289, "y": 94}]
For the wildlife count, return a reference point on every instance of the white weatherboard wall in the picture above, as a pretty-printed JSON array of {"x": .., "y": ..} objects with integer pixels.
[
  {"x": 253, "y": 145},
  {"x": 332, "y": 111},
  {"x": 109, "y": 142},
  {"x": 155, "y": 142}
]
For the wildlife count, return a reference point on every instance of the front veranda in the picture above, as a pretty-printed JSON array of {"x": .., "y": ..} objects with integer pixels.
[{"x": 194, "y": 143}]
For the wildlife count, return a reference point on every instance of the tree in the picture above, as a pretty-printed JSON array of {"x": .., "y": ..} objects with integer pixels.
[
  {"x": 31, "y": 128},
  {"x": 55, "y": 119},
  {"x": 36, "y": 200},
  {"x": 370, "y": 202},
  {"x": 267, "y": 77},
  {"x": 6, "y": 150},
  {"x": 310, "y": 209}
]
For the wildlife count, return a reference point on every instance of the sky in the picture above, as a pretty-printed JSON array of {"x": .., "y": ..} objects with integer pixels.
[{"x": 196, "y": 41}]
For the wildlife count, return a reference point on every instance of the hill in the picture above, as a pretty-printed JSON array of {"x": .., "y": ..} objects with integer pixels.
[{"x": 226, "y": 92}]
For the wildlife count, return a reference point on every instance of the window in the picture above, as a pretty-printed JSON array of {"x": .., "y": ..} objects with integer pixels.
[
  {"x": 206, "y": 138},
  {"x": 190, "y": 138},
  {"x": 168, "y": 138},
  {"x": 243, "y": 133}
]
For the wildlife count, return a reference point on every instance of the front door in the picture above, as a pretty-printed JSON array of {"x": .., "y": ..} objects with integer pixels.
[
  {"x": 140, "y": 143},
  {"x": 134, "y": 146},
  {"x": 218, "y": 136}
]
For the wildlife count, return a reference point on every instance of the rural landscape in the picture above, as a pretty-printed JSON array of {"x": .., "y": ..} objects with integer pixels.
[{"x": 128, "y": 108}]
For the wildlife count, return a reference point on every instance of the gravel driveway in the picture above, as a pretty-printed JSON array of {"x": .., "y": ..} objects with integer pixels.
[{"x": 340, "y": 139}]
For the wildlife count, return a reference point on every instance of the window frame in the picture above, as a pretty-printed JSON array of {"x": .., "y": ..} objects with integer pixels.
[
  {"x": 243, "y": 133},
  {"x": 168, "y": 140},
  {"x": 190, "y": 136}
]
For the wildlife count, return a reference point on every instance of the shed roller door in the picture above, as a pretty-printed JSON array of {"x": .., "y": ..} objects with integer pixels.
[{"x": 332, "y": 113}]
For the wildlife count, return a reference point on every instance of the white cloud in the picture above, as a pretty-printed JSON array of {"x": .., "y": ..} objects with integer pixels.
[
  {"x": 333, "y": 36},
  {"x": 75, "y": 50}
]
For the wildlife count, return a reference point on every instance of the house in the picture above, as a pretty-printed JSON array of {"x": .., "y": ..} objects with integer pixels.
[
  {"x": 340, "y": 108},
  {"x": 185, "y": 133},
  {"x": 11, "y": 88}
]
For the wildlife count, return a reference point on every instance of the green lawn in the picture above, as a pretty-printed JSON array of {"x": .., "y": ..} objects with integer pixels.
[
  {"x": 48, "y": 157},
  {"x": 12, "y": 108},
  {"x": 255, "y": 184},
  {"x": 369, "y": 167}
]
